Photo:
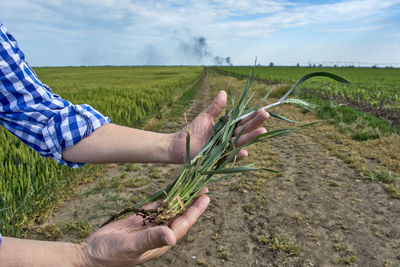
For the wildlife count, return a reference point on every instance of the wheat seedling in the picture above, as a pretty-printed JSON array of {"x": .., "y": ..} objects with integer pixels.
[{"x": 216, "y": 159}]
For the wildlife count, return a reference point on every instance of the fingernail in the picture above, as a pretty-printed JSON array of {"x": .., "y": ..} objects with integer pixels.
[{"x": 165, "y": 240}]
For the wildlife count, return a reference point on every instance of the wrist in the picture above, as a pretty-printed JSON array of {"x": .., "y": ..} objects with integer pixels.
[
  {"x": 166, "y": 146},
  {"x": 79, "y": 256},
  {"x": 174, "y": 156}
]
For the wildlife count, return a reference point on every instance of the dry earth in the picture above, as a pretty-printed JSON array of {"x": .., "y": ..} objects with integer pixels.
[{"x": 320, "y": 211}]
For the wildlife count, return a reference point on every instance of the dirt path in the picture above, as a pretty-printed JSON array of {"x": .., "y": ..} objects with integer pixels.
[{"x": 317, "y": 212}]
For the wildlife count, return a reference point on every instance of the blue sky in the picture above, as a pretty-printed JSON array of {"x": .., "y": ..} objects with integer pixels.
[{"x": 130, "y": 32}]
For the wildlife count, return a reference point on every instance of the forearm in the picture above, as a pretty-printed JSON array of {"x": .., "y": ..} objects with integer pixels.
[
  {"x": 21, "y": 252},
  {"x": 113, "y": 143}
]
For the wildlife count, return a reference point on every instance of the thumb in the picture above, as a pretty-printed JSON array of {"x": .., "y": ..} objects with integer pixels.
[
  {"x": 217, "y": 105},
  {"x": 154, "y": 237}
]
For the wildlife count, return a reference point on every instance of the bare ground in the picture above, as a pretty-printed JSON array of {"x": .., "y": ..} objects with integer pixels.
[{"x": 318, "y": 212}]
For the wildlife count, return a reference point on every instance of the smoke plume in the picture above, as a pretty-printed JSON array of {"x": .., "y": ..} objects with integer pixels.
[
  {"x": 196, "y": 51},
  {"x": 223, "y": 60},
  {"x": 192, "y": 51}
]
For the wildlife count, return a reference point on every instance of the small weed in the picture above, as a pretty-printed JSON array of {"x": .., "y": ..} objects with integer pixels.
[
  {"x": 393, "y": 191},
  {"x": 249, "y": 207},
  {"x": 281, "y": 243},
  {"x": 84, "y": 228},
  {"x": 137, "y": 182},
  {"x": 346, "y": 260},
  {"x": 298, "y": 218},
  {"x": 249, "y": 217},
  {"x": 190, "y": 238},
  {"x": 387, "y": 263},
  {"x": 131, "y": 183},
  {"x": 202, "y": 263},
  {"x": 263, "y": 238},
  {"x": 349, "y": 260},
  {"x": 136, "y": 198},
  {"x": 123, "y": 175},
  {"x": 345, "y": 251},
  {"x": 225, "y": 254},
  {"x": 102, "y": 184},
  {"x": 154, "y": 173},
  {"x": 383, "y": 176},
  {"x": 237, "y": 187},
  {"x": 51, "y": 231},
  {"x": 216, "y": 237},
  {"x": 312, "y": 235},
  {"x": 131, "y": 167},
  {"x": 116, "y": 183},
  {"x": 340, "y": 247},
  {"x": 342, "y": 225}
]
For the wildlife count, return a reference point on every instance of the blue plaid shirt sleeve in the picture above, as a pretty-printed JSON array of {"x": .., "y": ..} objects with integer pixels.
[{"x": 32, "y": 112}]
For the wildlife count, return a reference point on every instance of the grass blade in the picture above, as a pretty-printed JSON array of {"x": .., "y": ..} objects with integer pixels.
[{"x": 278, "y": 116}]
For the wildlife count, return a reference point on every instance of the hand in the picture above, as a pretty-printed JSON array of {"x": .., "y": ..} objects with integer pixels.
[
  {"x": 128, "y": 242},
  {"x": 201, "y": 129}
]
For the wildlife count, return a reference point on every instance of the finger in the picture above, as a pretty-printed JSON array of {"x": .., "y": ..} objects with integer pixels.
[
  {"x": 253, "y": 122},
  {"x": 217, "y": 105},
  {"x": 246, "y": 119},
  {"x": 203, "y": 191},
  {"x": 241, "y": 154},
  {"x": 245, "y": 138},
  {"x": 182, "y": 224},
  {"x": 154, "y": 237},
  {"x": 251, "y": 116}
]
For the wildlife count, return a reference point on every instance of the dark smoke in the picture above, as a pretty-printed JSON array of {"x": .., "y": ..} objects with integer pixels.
[
  {"x": 223, "y": 60},
  {"x": 197, "y": 50}
]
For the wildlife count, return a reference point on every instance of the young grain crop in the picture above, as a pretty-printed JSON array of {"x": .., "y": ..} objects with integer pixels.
[
  {"x": 216, "y": 160},
  {"x": 30, "y": 185}
]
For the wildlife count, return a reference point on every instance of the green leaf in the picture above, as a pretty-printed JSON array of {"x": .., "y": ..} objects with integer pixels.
[
  {"x": 240, "y": 169},
  {"x": 278, "y": 116},
  {"x": 314, "y": 74}
]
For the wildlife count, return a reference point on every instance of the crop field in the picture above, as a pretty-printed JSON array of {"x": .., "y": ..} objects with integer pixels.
[
  {"x": 335, "y": 200},
  {"x": 31, "y": 185},
  {"x": 376, "y": 90}
]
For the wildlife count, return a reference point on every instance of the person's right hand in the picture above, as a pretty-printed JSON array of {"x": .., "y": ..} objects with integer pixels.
[{"x": 128, "y": 242}]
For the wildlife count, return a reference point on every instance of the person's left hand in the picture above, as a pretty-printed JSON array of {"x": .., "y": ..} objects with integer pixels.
[
  {"x": 128, "y": 242},
  {"x": 201, "y": 129}
]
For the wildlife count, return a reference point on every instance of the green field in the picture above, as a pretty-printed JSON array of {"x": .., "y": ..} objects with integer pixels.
[
  {"x": 376, "y": 87},
  {"x": 368, "y": 110},
  {"x": 336, "y": 179},
  {"x": 30, "y": 185}
]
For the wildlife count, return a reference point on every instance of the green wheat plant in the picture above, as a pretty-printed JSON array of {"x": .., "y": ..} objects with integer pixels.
[
  {"x": 216, "y": 160},
  {"x": 31, "y": 186}
]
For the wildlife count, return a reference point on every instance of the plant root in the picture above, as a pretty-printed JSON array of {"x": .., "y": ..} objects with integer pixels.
[{"x": 149, "y": 215}]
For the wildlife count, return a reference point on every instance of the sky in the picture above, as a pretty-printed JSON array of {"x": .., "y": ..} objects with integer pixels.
[{"x": 218, "y": 32}]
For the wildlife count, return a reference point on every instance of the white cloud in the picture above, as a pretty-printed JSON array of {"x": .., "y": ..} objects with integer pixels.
[
  {"x": 350, "y": 29},
  {"x": 210, "y": 16},
  {"x": 228, "y": 25}
]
